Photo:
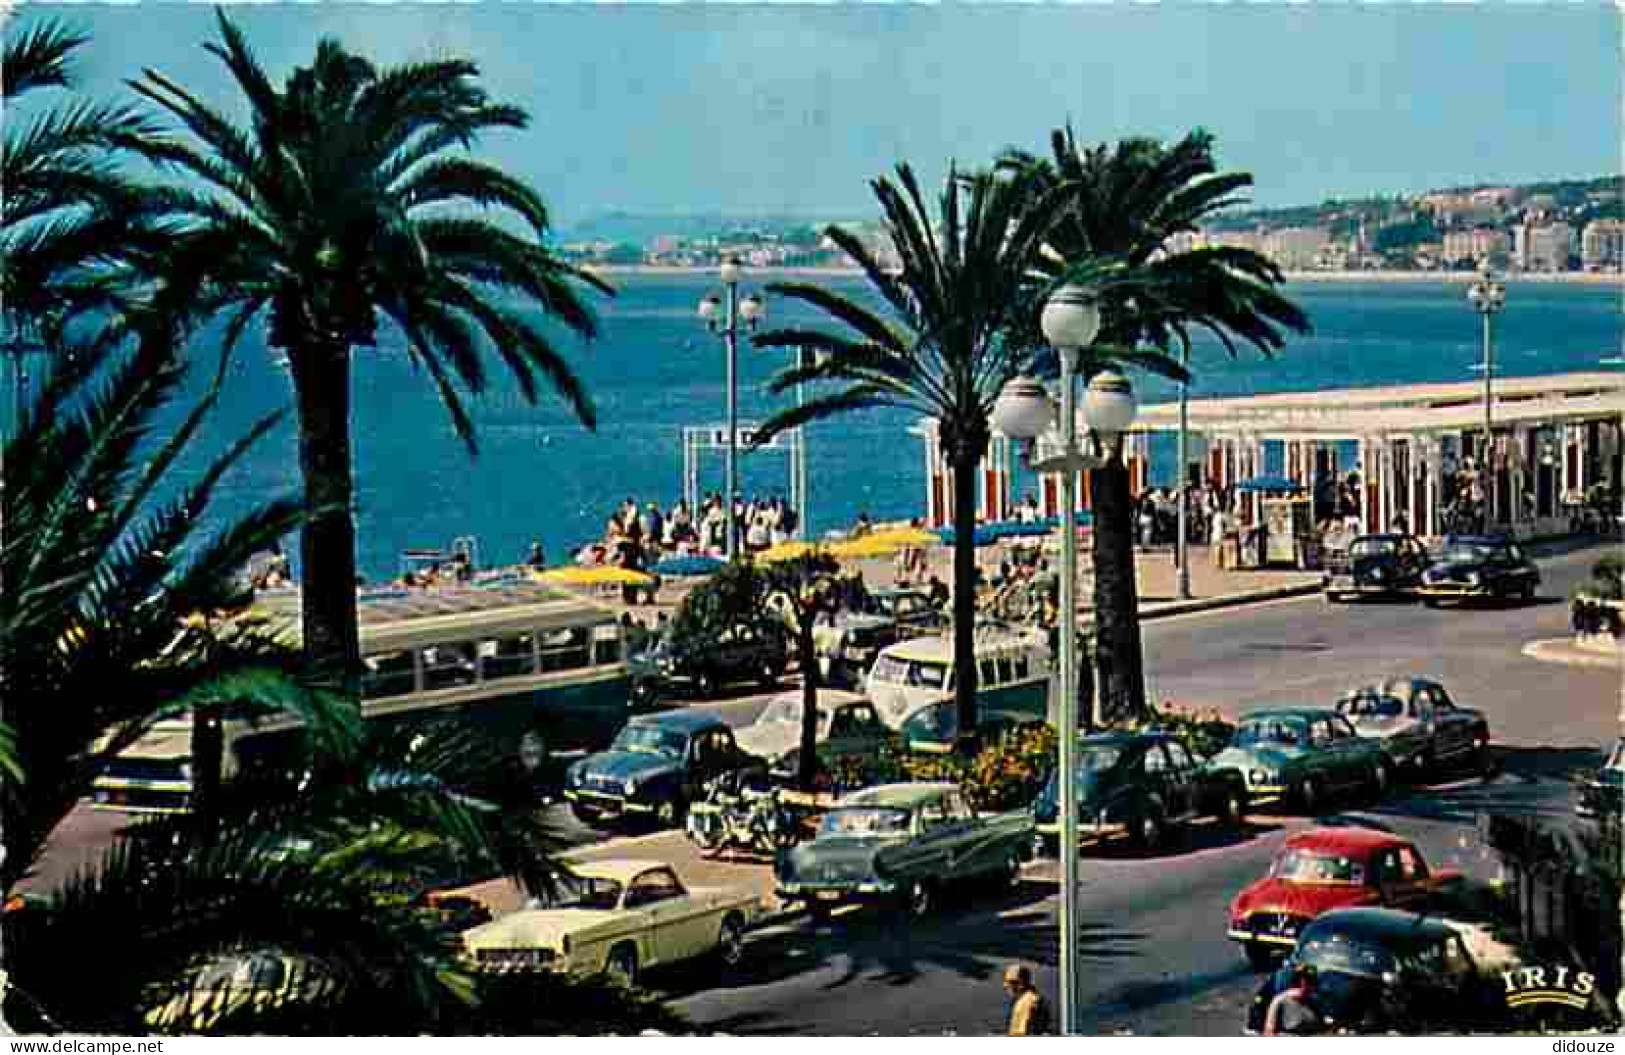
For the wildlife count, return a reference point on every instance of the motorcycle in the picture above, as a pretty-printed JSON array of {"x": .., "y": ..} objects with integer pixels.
[{"x": 736, "y": 815}]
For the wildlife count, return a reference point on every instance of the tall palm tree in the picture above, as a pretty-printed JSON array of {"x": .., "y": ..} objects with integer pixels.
[
  {"x": 804, "y": 588},
  {"x": 940, "y": 349},
  {"x": 346, "y": 200},
  {"x": 107, "y": 562},
  {"x": 1125, "y": 204},
  {"x": 70, "y": 213}
]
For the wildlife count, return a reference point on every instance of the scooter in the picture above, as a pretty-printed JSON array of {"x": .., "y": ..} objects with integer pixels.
[{"x": 733, "y": 815}]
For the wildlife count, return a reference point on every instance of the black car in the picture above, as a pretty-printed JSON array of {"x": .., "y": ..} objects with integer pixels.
[
  {"x": 704, "y": 664},
  {"x": 1381, "y": 970},
  {"x": 1479, "y": 566},
  {"x": 1140, "y": 784},
  {"x": 657, "y": 765},
  {"x": 1602, "y": 795},
  {"x": 1381, "y": 565}
]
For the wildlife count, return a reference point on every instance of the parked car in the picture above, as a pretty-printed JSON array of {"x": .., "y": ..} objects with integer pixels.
[
  {"x": 847, "y": 647},
  {"x": 1382, "y": 970},
  {"x": 1418, "y": 723},
  {"x": 1603, "y": 794},
  {"x": 255, "y": 982},
  {"x": 704, "y": 664},
  {"x": 912, "y": 686},
  {"x": 1322, "y": 869},
  {"x": 848, "y": 727},
  {"x": 658, "y": 764},
  {"x": 1143, "y": 785},
  {"x": 900, "y": 844},
  {"x": 1479, "y": 566},
  {"x": 1381, "y": 565},
  {"x": 1305, "y": 754},
  {"x": 618, "y": 918}
]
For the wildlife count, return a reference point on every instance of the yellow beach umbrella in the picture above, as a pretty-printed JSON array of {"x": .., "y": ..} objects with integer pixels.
[
  {"x": 868, "y": 546},
  {"x": 906, "y": 537},
  {"x": 786, "y": 551},
  {"x": 600, "y": 575}
]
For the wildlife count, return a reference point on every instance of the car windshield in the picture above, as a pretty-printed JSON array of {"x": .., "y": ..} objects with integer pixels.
[
  {"x": 1368, "y": 706},
  {"x": 589, "y": 892},
  {"x": 1260, "y": 731},
  {"x": 1466, "y": 552},
  {"x": 1337, "y": 953},
  {"x": 1374, "y": 547},
  {"x": 1307, "y": 866},
  {"x": 911, "y": 672},
  {"x": 1093, "y": 763},
  {"x": 864, "y": 821},
  {"x": 650, "y": 740}
]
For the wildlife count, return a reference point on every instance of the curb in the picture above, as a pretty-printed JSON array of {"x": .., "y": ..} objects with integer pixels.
[
  {"x": 1229, "y": 600},
  {"x": 1561, "y": 650}
]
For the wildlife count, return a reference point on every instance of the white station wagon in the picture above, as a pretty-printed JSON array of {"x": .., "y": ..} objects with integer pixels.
[{"x": 618, "y": 918}]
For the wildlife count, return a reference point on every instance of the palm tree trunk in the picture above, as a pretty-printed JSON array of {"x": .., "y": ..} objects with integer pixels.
[
  {"x": 1121, "y": 678},
  {"x": 321, "y": 376},
  {"x": 807, "y": 770},
  {"x": 965, "y": 467}
]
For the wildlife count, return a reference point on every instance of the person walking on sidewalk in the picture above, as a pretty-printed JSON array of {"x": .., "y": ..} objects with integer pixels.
[{"x": 1029, "y": 1015}]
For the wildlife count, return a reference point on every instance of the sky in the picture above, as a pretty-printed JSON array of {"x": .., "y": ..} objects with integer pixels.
[{"x": 747, "y": 109}]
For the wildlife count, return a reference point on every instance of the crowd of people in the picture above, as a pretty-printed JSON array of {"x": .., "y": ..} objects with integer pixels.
[{"x": 637, "y": 537}]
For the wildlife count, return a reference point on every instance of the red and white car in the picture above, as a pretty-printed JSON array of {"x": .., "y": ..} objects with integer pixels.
[{"x": 1323, "y": 869}]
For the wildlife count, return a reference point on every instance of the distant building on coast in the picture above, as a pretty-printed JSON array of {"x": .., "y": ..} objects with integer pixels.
[
  {"x": 1475, "y": 244},
  {"x": 1543, "y": 246},
  {"x": 1602, "y": 245}
]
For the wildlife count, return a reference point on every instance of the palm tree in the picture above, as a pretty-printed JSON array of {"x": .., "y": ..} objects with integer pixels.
[
  {"x": 104, "y": 580},
  {"x": 804, "y": 588},
  {"x": 940, "y": 351},
  {"x": 70, "y": 214},
  {"x": 1124, "y": 204},
  {"x": 343, "y": 200}
]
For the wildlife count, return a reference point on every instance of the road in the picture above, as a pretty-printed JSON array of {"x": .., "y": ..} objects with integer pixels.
[{"x": 1155, "y": 953}]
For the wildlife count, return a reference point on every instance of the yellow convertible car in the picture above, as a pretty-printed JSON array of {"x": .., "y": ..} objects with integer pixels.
[{"x": 618, "y": 918}]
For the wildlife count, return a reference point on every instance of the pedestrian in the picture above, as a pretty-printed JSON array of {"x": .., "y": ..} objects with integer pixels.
[
  {"x": 1291, "y": 1012},
  {"x": 1029, "y": 1015}
]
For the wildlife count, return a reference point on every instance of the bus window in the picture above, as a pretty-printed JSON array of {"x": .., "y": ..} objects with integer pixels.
[
  {"x": 446, "y": 666},
  {"x": 1005, "y": 676},
  {"x": 1021, "y": 666},
  {"x": 565, "y": 649},
  {"x": 507, "y": 657},
  {"x": 388, "y": 674},
  {"x": 986, "y": 673},
  {"x": 606, "y": 644}
]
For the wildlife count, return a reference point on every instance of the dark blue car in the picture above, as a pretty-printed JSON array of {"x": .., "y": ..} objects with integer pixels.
[{"x": 657, "y": 765}]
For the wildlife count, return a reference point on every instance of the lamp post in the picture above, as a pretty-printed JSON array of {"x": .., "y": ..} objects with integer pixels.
[
  {"x": 734, "y": 310},
  {"x": 1024, "y": 411},
  {"x": 1182, "y": 553},
  {"x": 1488, "y": 295}
]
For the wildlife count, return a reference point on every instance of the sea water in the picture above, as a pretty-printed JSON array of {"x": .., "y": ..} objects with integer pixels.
[{"x": 539, "y": 475}]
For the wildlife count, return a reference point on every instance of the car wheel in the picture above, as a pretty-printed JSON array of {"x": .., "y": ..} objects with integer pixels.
[
  {"x": 731, "y": 941},
  {"x": 1260, "y": 957},
  {"x": 1148, "y": 829},
  {"x": 1379, "y": 780},
  {"x": 1010, "y": 871},
  {"x": 1309, "y": 795},
  {"x": 1528, "y": 593},
  {"x": 705, "y": 684},
  {"x": 770, "y": 674},
  {"x": 1425, "y": 762},
  {"x": 918, "y": 899},
  {"x": 669, "y": 813},
  {"x": 1481, "y": 753},
  {"x": 622, "y": 965},
  {"x": 1232, "y": 808},
  {"x": 1430, "y": 602}
]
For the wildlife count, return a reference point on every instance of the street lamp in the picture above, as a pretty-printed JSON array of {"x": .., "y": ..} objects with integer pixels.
[
  {"x": 733, "y": 310},
  {"x": 1182, "y": 553},
  {"x": 1488, "y": 296},
  {"x": 1024, "y": 411}
]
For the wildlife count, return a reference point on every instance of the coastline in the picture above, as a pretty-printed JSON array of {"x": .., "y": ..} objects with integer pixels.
[{"x": 1567, "y": 278}]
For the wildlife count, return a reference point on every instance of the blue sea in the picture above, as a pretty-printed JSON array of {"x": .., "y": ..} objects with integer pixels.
[{"x": 540, "y": 475}]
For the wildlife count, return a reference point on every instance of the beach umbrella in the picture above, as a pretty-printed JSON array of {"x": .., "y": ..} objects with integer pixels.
[
  {"x": 686, "y": 566},
  {"x": 599, "y": 575},
  {"x": 905, "y": 537},
  {"x": 1268, "y": 484},
  {"x": 866, "y": 546},
  {"x": 786, "y": 551}
]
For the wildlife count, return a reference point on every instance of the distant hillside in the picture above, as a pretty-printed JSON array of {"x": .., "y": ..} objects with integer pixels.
[{"x": 644, "y": 228}]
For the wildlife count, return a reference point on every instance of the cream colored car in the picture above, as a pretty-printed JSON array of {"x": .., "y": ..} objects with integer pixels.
[{"x": 618, "y": 918}]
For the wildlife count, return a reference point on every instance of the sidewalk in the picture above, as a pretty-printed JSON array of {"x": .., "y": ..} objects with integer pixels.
[{"x": 1568, "y": 651}]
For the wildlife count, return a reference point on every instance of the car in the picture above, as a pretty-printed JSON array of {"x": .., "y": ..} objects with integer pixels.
[
  {"x": 1303, "y": 754},
  {"x": 658, "y": 764},
  {"x": 1382, "y": 970},
  {"x": 1376, "y": 565},
  {"x": 230, "y": 990},
  {"x": 848, "y": 727},
  {"x": 1419, "y": 725},
  {"x": 1602, "y": 795},
  {"x": 1142, "y": 785},
  {"x": 703, "y": 664},
  {"x": 618, "y": 918},
  {"x": 900, "y": 844},
  {"x": 1479, "y": 566},
  {"x": 848, "y": 645},
  {"x": 1322, "y": 869}
]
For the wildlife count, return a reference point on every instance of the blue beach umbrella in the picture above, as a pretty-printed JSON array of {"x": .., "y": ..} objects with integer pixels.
[
  {"x": 682, "y": 566},
  {"x": 1269, "y": 485}
]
